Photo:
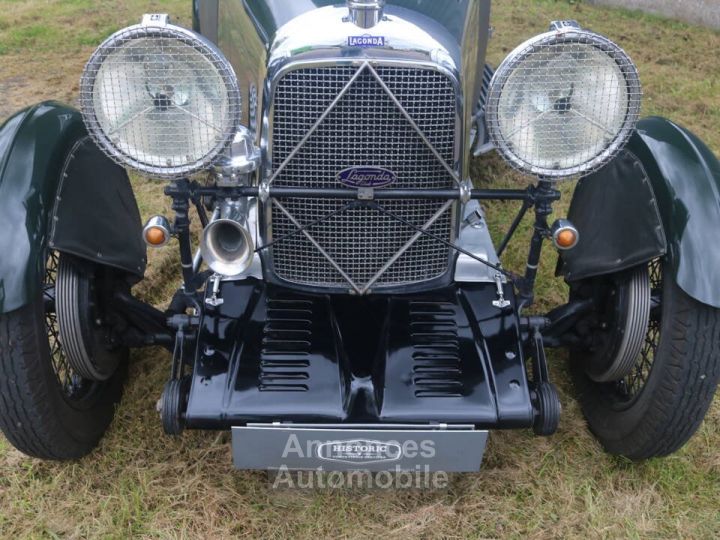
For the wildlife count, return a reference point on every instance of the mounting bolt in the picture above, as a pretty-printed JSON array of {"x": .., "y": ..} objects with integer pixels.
[
  {"x": 264, "y": 192},
  {"x": 466, "y": 191}
]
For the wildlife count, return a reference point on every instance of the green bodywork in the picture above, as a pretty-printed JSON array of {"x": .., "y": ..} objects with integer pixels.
[
  {"x": 58, "y": 189},
  {"x": 33, "y": 146},
  {"x": 685, "y": 176}
]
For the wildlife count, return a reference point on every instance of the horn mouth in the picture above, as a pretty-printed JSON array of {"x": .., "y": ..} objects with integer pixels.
[{"x": 227, "y": 247}]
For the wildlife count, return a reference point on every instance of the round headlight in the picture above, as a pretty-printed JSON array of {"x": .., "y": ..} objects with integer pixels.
[
  {"x": 564, "y": 103},
  {"x": 160, "y": 99}
]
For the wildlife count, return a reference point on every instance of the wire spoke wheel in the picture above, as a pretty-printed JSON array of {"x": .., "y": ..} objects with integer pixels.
[
  {"x": 656, "y": 405},
  {"x": 629, "y": 388},
  {"x": 49, "y": 410},
  {"x": 74, "y": 387}
]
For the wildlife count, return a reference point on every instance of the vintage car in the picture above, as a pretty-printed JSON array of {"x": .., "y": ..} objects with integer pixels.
[{"x": 343, "y": 292}]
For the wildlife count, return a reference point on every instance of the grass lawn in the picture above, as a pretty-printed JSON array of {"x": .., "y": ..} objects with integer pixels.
[{"x": 141, "y": 483}]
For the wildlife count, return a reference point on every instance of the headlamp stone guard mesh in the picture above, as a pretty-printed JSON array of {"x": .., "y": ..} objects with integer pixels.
[
  {"x": 542, "y": 65},
  {"x": 184, "y": 122}
]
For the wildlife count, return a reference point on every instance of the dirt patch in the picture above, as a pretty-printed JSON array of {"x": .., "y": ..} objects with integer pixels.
[{"x": 53, "y": 78}]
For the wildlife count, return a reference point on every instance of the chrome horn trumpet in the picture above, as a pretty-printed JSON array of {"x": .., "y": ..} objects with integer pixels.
[{"x": 227, "y": 245}]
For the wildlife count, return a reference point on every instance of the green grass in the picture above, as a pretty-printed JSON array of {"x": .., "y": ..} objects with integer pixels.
[{"x": 140, "y": 483}]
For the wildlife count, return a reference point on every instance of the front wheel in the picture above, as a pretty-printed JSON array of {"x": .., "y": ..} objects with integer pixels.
[
  {"x": 48, "y": 409},
  {"x": 653, "y": 404}
]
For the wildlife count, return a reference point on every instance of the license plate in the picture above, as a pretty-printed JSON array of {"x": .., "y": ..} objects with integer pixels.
[{"x": 452, "y": 448}]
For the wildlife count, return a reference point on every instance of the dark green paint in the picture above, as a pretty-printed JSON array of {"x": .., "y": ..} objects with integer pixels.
[
  {"x": 685, "y": 177},
  {"x": 205, "y": 18},
  {"x": 196, "y": 16},
  {"x": 33, "y": 145}
]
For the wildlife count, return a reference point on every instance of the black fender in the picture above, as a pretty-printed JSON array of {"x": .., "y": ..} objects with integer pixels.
[
  {"x": 58, "y": 190},
  {"x": 205, "y": 18},
  {"x": 659, "y": 197}
]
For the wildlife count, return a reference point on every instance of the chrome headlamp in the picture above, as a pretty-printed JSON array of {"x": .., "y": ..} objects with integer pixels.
[
  {"x": 160, "y": 99},
  {"x": 563, "y": 103}
]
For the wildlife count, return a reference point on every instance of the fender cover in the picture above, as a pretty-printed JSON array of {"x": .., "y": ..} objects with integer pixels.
[
  {"x": 57, "y": 189},
  {"x": 205, "y": 18},
  {"x": 661, "y": 196}
]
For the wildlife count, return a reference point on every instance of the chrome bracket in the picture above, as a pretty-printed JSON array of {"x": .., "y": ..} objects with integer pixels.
[
  {"x": 242, "y": 159},
  {"x": 215, "y": 300},
  {"x": 155, "y": 19},
  {"x": 501, "y": 302},
  {"x": 565, "y": 26}
]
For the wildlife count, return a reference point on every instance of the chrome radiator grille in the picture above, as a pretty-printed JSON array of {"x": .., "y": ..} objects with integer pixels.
[{"x": 364, "y": 128}]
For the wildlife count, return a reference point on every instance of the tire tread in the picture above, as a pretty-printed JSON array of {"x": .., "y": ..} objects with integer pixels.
[
  {"x": 692, "y": 376},
  {"x": 33, "y": 414},
  {"x": 688, "y": 361}
]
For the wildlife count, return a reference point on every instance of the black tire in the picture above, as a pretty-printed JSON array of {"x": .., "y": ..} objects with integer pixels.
[
  {"x": 547, "y": 420},
  {"x": 174, "y": 405},
  {"x": 678, "y": 373},
  {"x": 46, "y": 410}
]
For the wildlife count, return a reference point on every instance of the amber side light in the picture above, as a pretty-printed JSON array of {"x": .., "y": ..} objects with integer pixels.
[
  {"x": 566, "y": 239},
  {"x": 155, "y": 236},
  {"x": 157, "y": 232},
  {"x": 565, "y": 235}
]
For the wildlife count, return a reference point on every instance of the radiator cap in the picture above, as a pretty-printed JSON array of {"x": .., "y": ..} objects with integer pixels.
[{"x": 366, "y": 13}]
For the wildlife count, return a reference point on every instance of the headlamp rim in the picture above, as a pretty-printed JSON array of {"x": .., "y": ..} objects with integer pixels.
[
  {"x": 187, "y": 37},
  {"x": 566, "y": 35}
]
